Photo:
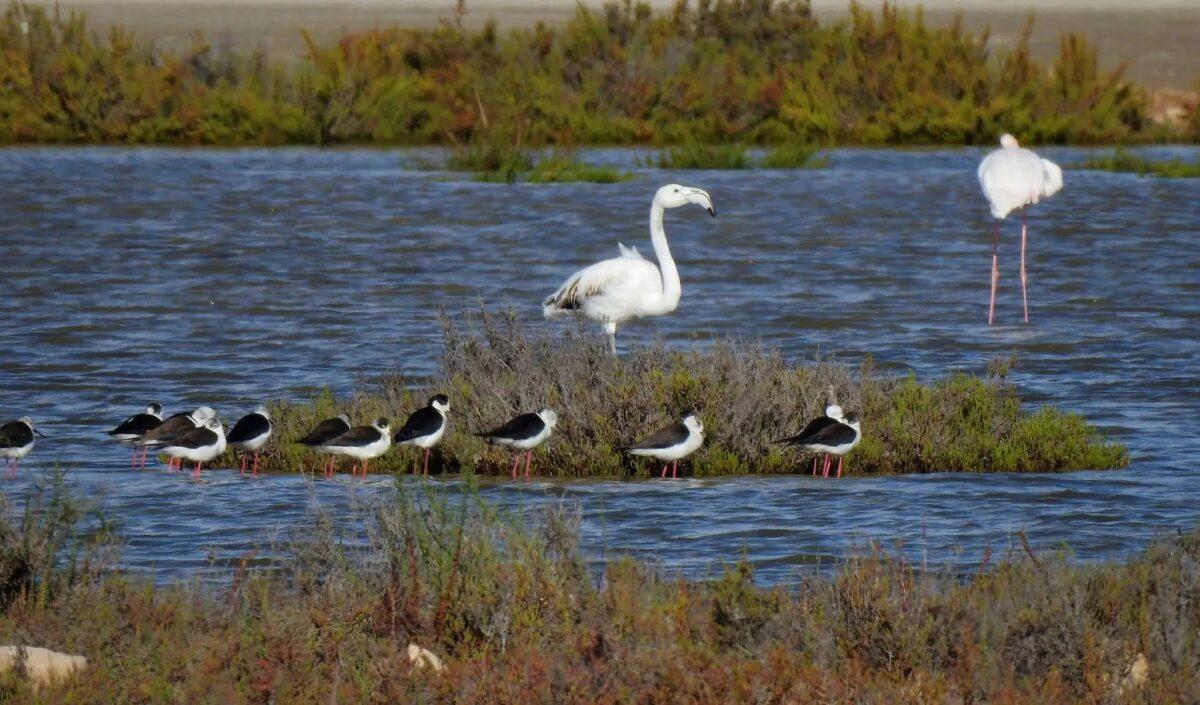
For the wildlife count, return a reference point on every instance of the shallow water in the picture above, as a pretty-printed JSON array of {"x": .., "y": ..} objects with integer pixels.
[{"x": 227, "y": 277}]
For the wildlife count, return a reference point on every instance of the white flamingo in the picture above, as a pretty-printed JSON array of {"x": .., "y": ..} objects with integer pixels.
[
  {"x": 1014, "y": 178},
  {"x": 630, "y": 286}
]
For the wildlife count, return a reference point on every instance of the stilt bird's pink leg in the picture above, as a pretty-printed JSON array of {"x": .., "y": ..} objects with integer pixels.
[
  {"x": 516, "y": 462},
  {"x": 674, "y": 469},
  {"x": 528, "y": 463},
  {"x": 426, "y": 472},
  {"x": 196, "y": 475},
  {"x": 663, "y": 475}
]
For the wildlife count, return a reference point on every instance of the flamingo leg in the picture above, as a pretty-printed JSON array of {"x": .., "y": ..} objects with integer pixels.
[
  {"x": 1024, "y": 234},
  {"x": 995, "y": 272},
  {"x": 528, "y": 462}
]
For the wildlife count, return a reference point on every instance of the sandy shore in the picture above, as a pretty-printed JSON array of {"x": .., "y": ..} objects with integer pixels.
[{"x": 1158, "y": 39}]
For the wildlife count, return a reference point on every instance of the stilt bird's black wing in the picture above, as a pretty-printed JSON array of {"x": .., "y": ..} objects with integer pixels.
[
  {"x": 523, "y": 426},
  {"x": 666, "y": 437},
  {"x": 325, "y": 431},
  {"x": 423, "y": 422},
  {"x": 248, "y": 427},
  {"x": 823, "y": 431}
]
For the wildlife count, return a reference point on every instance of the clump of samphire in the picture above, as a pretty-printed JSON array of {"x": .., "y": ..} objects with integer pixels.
[{"x": 747, "y": 396}]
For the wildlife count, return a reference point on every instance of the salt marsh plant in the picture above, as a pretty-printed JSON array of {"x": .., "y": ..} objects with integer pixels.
[
  {"x": 1123, "y": 160},
  {"x": 493, "y": 368},
  {"x": 511, "y": 607},
  {"x": 751, "y": 72}
]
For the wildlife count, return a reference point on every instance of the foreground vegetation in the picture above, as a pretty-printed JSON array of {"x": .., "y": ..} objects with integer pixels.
[
  {"x": 518, "y": 617},
  {"x": 493, "y": 368},
  {"x": 710, "y": 72},
  {"x": 1122, "y": 160}
]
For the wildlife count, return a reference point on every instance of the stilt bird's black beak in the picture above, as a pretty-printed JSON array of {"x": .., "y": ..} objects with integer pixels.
[
  {"x": 712, "y": 211},
  {"x": 39, "y": 433}
]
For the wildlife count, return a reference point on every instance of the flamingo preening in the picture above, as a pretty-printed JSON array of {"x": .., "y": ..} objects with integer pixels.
[
  {"x": 1014, "y": 178},
  {"x": 630, "y": 286}
]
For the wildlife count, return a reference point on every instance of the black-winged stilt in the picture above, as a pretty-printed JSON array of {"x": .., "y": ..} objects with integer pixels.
[
  {"x": 325, "y": 431},
  {"x": 250, "y": 434},
  {"x": 135, "y": 426},
  {"x": 829, "y": 435},
  {"x": 425, "y": 427},
  {"x": 199, "y": 445},
  {"x": 16, "y": 440},
  {"x": 672, "y": 443},
  {"x": 174, "y": 426},
  {"x": 524, "y": 432},
  {"x": 362, "y": 443}
]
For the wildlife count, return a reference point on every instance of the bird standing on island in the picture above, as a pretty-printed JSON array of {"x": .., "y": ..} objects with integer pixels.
[
  {"x": 327, "y": 430},
  {"x": 623, "y": 288},
  {"x": 672, "y": 443},
  {"x": 1014, "y": 178},
  {"x": 135, "y": 426},
  {"x": 174, "y": 426},
  {"x": 250, "y": 434},
  {"x": 831, "y": 434},
  {"x": 16, "y": 440},
  {"x": 524, "y": 432},
  {"x": 200, "y": 445},
  {"x": 362, "y": 443},
  {"x": 425, "y": 427}
]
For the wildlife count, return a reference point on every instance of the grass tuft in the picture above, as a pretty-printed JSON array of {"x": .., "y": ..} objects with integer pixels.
[
  {"x": 495, "y": 159},
  {"x": 694, "y": 155},
  {"x": 516, "y": 615},
  {"x": 794, "y": 155},
  {"x": 1122, "y": 160},
  {"x": 747, "y": 396}
]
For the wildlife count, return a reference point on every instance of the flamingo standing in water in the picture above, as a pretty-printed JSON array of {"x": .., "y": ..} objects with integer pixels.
[
  {"x": 1014, "y": 178},
  {"x": 630, "y": 286}
]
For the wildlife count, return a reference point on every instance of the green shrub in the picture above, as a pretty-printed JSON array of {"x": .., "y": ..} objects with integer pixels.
[
  {"x": 1122, "y": 160},
  {"x": 725, "y": 72},
  {"x": 794, "y": 156},
  {"x": 512, "y": 608},
  {"x": 704, "y": 156},
  {"x": 492, "y": 369}
]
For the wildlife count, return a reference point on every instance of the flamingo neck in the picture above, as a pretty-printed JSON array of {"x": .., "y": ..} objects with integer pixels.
[{"x": 671, "y": 288}]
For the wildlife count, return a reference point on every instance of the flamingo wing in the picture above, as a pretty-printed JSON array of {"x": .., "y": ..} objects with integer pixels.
[
  {"x": 616, "y": 285},
  {"x": 1011, "y": 179}
]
